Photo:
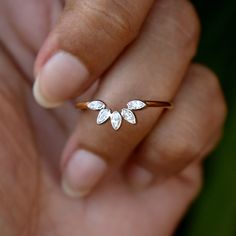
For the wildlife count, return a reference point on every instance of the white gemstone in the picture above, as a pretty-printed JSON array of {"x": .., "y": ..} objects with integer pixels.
[
  {"x": 96, "y": 105},
  {"x": 103, "y": 116},
  {"x": 128, "y": 115},
  {"x": 116, "y": 120},
  {"x": 136, "y": 105}
]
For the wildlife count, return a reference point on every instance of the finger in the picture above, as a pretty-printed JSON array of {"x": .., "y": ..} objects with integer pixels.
[
  {"x": 212, "y": 143},
  {"x": 157, "y": 52},
  {"x": 184, "y": 134},
  {"x": 18, "y": 158},
  {"x": 170, "y": 200},
  {"x": 88, "y": 38}
]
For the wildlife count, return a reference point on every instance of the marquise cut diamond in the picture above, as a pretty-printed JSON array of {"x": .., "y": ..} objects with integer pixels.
[
  {"x": 96, "y": 105},
  {"x": 136, "y": 105},
  {"x": 128, "y": 115},
  {"x": 103, "y": 116},
  {"x": 116, "y": 120}
]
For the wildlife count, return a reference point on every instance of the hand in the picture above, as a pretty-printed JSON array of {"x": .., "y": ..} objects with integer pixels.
[{"x": 181, "y": 136}]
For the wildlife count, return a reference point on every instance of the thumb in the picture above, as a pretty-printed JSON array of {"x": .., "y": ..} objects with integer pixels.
[{"x": 88, "y": 38}]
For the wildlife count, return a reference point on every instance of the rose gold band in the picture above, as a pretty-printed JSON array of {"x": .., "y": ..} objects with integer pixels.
[
  {"x": 82, "y": 105},
  {"x": 159, "y": 104},
  {"x": 163, "y": 104}
]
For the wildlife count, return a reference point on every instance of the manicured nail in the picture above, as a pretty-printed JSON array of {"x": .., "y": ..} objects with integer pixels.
[
  {"x": 83, "y": 171},
  {"x": 139, "y": 177},
  {"x": 41, "y": 99},
  {"x": 60, "y": 78}
]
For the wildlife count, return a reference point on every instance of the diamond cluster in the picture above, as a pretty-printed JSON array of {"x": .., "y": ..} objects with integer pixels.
[{"x": 115, "y": 116}]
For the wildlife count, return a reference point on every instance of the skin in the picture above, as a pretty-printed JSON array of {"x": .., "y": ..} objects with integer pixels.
[{"x": 169, "y": 145}]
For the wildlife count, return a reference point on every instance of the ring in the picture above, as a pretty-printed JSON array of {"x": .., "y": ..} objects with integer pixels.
[{"x": 115, "y": 116}]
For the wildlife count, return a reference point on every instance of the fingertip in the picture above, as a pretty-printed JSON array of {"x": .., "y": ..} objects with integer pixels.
[
  {"x": 40, "y": 98},
  {"x": 49, "y": 48},
  {"x": 70, "y": 192},
  {"x": 138, "y": 177},
  {"x": 82, "y": 173},
  {"x": 62, "y": 77}
]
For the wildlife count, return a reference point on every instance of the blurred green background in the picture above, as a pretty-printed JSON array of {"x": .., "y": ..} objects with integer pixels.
[{"x": 214, "y": 212}]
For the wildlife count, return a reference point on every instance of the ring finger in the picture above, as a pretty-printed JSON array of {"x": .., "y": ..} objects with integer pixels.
[
  {"x": 151, "y": 69},
  {"x": 185, "y": 134}
]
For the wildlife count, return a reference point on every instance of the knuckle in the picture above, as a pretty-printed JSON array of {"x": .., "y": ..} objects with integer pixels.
[
  {"x": 178, "y": 151},
  {"x": 212, "y": 89},
  {"x": 219, "y": 109},
  {"x": 187, "y": 26},
  {"x": 182, "y": 24},
  {"x": 117, "y": 23},
  {"x": 192, "y": 179}
]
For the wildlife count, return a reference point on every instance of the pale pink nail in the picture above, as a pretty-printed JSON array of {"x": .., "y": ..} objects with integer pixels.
[
  {"x": 139, "y": 177},
  {"x": 60, "y": 78},
  {"x": 83, "y": 171}
]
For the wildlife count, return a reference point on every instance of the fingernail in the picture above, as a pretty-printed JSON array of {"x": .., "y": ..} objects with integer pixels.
[
  {"x": 41, "y": 99},
  {"x": 60, "y": 78},
  {"x": 139, "y": 177},
  {"x": 83, "y": 171}
]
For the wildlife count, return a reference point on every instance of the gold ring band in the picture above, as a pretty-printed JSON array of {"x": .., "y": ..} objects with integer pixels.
[
  {"x": 127, "y": 113},
  {"x": 168, "y": 105}
]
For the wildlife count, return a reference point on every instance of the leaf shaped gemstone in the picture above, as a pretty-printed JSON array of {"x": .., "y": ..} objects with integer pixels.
[
  {"x": 116, "y": 120},
  {"x": 96, "y": 105},
  {"x": 103, "y": 116},
  {"x": 136, "y": 105},
  {"x": 128, "y": 115}
]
